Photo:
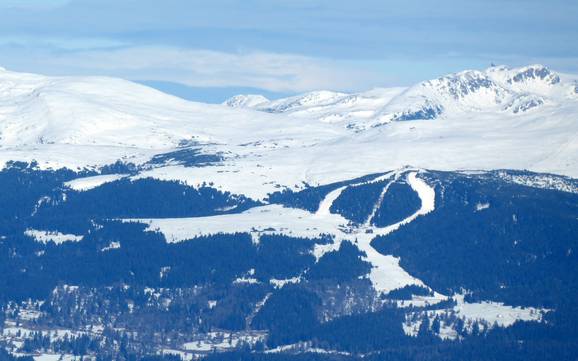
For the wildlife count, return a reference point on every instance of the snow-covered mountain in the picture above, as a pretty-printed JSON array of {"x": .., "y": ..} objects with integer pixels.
[
  {"x": 246, "y": 101},
  {"x": 295, "y": 226},
  {"x": 497, "y": 89},
  {"x": 92, "y": 121},
  {"x": 521, "y": 118}
]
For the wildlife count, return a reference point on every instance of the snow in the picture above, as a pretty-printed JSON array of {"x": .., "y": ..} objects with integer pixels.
[
  {"x": 14, "y": 332},
  {"x": 29, "y": 315},
  {"x": 86, "y": 183},
  {"x": 543, "y": 181},
  {"x": 386, "y": 273},
  {"x": 269, "y": 219},
  {"x": 499, "y": 118},
  {"x": 305, "y": 347},
  {"x": 223, "y": 341},
  {"x": 281, "y": 283},
  {"x": 56, "y": 357},
  {"x": 164, "y": 271},
  {"x": 258, "y": 306},
  {"x": 321, "y": 249},
  {"x": 297, "y": 102},
  {"x": 496, "y": 312},
  {"x": 315, "y": 138},
  {"x": 112, "y": 245},
  {"x": 51, "y": 236},
  {"x": 246, "y": 101},
  {"x": 421, "y": 301},
  {"x": 11, "y": 331},
  {"x": 492, "y": 313},
  {"x": 482, "y": 206},
  {"x": 182, "y": 354},
  {"x": 327, "y": 202},
  {"x": 328, "y": 107},
  {"x": 246, "y": 280},
  {"x": 425, "y": 193}
]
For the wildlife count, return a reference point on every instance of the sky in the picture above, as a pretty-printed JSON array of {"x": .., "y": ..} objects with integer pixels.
[{"x": 210, "y": 50}]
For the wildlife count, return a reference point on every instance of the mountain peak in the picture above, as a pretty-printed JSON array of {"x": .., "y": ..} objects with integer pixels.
[
  {"x": 462, "y": 84},
  {"x": 245, "y": 101},
  {"x": 535, "y": 72},
  {"x": 298, "y": 102},
  {"x": 498, "y": 89}
]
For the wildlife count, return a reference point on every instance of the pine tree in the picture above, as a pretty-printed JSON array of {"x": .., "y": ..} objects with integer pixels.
[{"x": 436, "y": 326}]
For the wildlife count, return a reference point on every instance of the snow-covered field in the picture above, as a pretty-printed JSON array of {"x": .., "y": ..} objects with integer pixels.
[
  {"x": 543, "y": 181},
  {"x": 49, "y": 236},
  {"x": 56, "y": 357},
  {"x": 222, "y": 341},
  {"x": 269, "y": 219},
  {"x": 500, "y": 118},
  {"x": 491, "y": 313},
  {"x": 86, "y": 183},
  {"x": 14, "y": 333},
  {"x": 385, "y": 275}
]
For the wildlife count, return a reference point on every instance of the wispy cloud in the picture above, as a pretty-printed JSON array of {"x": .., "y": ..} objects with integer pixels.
[
  {"x": 286, "y": 45},
  {"x": 205, "y": 68}
]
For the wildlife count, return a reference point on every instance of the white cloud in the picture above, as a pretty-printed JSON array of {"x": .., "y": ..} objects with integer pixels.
[
  {"x": 205, "y": 68},
  {"x": 277, "y": 72}
]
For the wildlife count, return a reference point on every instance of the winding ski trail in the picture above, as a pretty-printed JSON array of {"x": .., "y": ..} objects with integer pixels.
[{"x": 386, "y": 273}]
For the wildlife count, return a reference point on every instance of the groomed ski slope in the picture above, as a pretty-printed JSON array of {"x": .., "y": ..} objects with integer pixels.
[{"x": 385, "y": 275}]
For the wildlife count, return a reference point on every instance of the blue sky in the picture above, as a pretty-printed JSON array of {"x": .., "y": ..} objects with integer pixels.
[{"x": 209, "y": 50}]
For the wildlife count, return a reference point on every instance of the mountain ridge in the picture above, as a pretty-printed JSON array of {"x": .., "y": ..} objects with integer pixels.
[
  {"x": 189, "y": 231},
  {"x": 468, "y": 90},
  {"x": 500, "y": 118}
]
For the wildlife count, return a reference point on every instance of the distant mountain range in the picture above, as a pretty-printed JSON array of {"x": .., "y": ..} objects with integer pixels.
[
  {"x": 495, "y": 90},
  {"x": 521, "y": 118}
]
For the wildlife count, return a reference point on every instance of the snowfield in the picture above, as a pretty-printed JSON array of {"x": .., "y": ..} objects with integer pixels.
[
  {"x": 500, "y": 118},
  {"x": 222, "y": 341},
  {"x": 270, "y": 219},
  {"x": 86, "y": 183},
  {"x": 491, "y": 313},
  {"x": 51, "y": 236},
  {"x": 386, "y": 273}
]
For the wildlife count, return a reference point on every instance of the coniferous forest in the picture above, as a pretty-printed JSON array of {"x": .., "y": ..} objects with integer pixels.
[{"x": 122, "y": 291}]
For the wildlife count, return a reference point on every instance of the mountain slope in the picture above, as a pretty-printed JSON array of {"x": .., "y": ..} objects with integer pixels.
[
  {"x": 497, "y": 89},
  {"x": 520, "y": 118},
  {"x": 305, "y": 234},
  {"x": 354, "y": 267},
  {"x": 106, "y": 119}
]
